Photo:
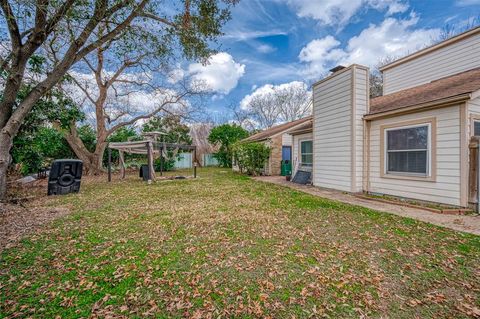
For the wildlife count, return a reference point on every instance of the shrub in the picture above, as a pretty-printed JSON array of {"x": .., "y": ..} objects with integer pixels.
[
  {"x": 225, "y": 136},
  {"x": 31, "y": 161},
  {"x": 251, "y": 156},
  {"x": 165, "y": 164}
]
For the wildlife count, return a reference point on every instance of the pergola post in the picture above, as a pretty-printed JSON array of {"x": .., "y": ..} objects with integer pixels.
[
  {"x": 122, "y": 163},
  {"x": 109, "y": 164},
  {"x": 195, "y": 162},
  {"x": 161, "y": 160},
  {"x": 150, "y": 161}
]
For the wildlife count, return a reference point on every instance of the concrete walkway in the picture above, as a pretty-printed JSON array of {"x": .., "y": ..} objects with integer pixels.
[{"x": 469, "y": 224}]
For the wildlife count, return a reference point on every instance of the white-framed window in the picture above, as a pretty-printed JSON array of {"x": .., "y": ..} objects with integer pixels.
[
  {"x": 408, "y": 150},
  {"x": 306, "y": 153}
]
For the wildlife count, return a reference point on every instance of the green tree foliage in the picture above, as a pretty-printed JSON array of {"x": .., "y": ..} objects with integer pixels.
[
  {"x": 175, "y": 132},
  {"x": 88, "y": 136},
  {"x": 225, "y": 136},
  {"x": 43, "y": 144},
  {"x": 37, "y": 144}
]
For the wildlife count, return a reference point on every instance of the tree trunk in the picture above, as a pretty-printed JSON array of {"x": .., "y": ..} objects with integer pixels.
[
  {"x": 92, "y": 161},
  {"x": 5, "y": 146}
]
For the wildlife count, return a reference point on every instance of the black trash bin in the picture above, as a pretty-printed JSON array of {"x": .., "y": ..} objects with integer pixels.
[{"x": 144, "y": 172}]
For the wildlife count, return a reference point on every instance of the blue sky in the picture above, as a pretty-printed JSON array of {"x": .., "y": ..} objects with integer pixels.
[{"x": 280, "y": 41}]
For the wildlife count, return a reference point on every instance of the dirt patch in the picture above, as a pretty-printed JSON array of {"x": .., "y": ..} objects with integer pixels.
[
  {"x": 19, "y": 220},
  {"x": 24, "y": 212}
]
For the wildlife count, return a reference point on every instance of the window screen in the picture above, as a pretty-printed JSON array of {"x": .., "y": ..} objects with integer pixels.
[
  {"x": 306, "y": 150},
  {"x": 407, "y": 150}
]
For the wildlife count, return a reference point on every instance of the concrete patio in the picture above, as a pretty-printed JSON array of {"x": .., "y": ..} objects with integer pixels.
[{"x": 468, "y": 224}]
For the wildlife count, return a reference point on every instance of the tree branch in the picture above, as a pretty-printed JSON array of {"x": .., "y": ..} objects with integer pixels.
[
  {"x": 12, "y": 25},
  {"x": 158, "y": 19},
  {"x": 148, "y": 115},
  {"x": 112, "y": 34},
  {"x": 125, "y": 64},
  {"x": 84, "y": 90}
]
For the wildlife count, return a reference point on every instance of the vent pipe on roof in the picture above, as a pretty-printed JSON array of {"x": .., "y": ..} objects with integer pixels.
[{"x": 337, "y": 68}]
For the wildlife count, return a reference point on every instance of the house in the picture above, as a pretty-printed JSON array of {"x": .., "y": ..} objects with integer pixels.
[
  {"x": 413, "y": 142},
  {"x": 280, "y": 143},
  {"x": 302, "y": 146}
]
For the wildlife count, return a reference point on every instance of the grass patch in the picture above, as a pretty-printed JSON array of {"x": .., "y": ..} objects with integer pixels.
[{"x": 225, "y": 245}]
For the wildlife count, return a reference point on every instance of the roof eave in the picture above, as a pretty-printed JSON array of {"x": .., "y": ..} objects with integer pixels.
[
  {"x": 420, "y": 107},
  {"x": 310, "y": 130}
]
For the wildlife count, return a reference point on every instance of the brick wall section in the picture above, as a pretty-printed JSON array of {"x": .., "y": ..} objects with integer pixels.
[{"x": 275, "y": 155}]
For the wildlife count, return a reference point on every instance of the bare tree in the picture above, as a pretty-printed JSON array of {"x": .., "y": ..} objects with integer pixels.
[
  {"x": 264, "y": 110},
  {"x": 270, "y": 105},
  {"x": 120, "y": 98},
  {"x": 451, "y": 30},
  {"x": 121, "y": 87},
  {"x": 30, "y": 24},
  {"x": 376, "y": 77},
  {"x": 241, "y": 117},
  {"x": 294, "y": 102}
]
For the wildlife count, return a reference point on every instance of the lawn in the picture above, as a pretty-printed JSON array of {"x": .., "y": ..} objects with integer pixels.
[{"x": 227, "y": 246}]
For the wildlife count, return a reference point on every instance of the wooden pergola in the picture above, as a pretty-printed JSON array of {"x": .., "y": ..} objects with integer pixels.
[{"x": 149, "y": 147}]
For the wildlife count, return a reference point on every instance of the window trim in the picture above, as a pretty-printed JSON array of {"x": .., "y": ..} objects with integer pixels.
[
  {"x": 300, "y": 152},
  {"x": 473, "y": 118},
  {"x": 431, "y": 150}
]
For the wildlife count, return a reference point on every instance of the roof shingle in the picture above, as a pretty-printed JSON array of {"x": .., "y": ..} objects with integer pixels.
[
  {"x": 302, "y": 128},
  {"x": 438, "y": 90},
  {"x": 263, "y": 135}
]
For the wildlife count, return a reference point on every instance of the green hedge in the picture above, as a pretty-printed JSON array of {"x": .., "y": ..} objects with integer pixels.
[{"x": 251, "y": 157}]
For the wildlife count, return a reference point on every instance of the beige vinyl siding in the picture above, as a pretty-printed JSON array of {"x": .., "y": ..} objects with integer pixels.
[
  {"x": 332, "y": 131},
  {"x": 340, "y": 102},
  {"x": 287, "y": 139},
  {"x": 446, "y": 187},
  {"x": 454, "y": 58},
  {"x": 296, "y": 149}
]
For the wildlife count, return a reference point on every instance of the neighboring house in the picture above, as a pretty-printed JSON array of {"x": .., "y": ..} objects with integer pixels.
[
  {"x": 302, "y": 147},
  {"x": 413, "y": 142},
  {"x": 280, "y": 143}
]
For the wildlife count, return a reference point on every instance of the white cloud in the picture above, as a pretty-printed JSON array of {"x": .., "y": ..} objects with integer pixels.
[
  {"x": 392, "y": 38},
  {"x": 320, "y": 53},
  {"x": 250, "y": 34},
  {"x": 220, "y": 74},
  {"x": 265, "y": 48},
  {"x": 339, "y": 12},
  {"x": 269, "y": 89},
  {"x": 176, "y": 75}
]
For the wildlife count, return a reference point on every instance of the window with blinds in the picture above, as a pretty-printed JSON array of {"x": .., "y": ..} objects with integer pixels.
[{"x": 408, "y": 150}]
